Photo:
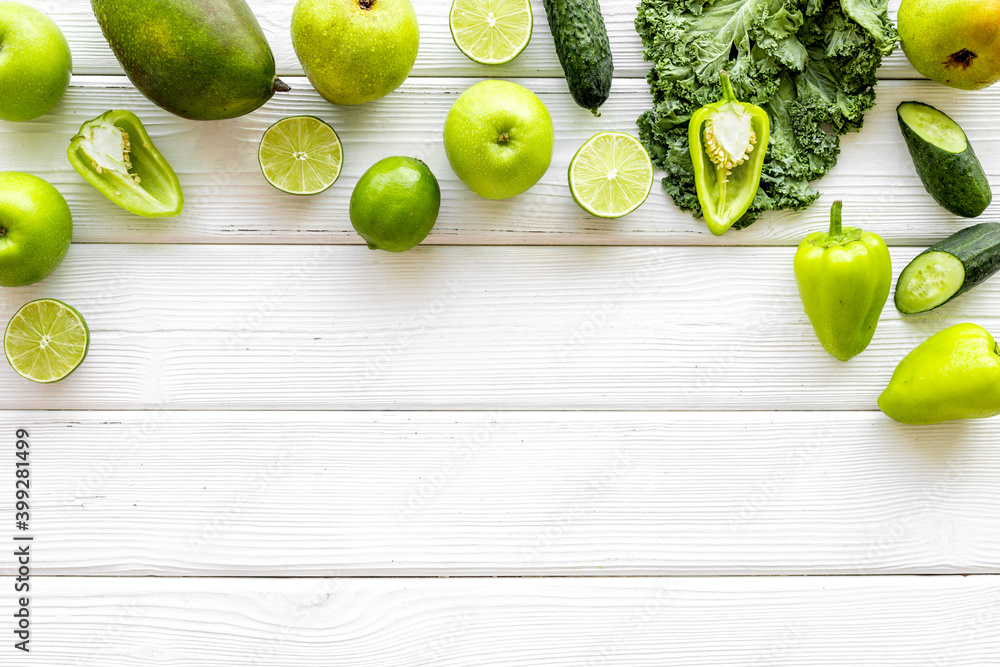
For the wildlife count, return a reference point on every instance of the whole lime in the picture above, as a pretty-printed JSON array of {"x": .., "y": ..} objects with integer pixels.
[
  {"x": 36, "y": 228},
  {"x": 395, "y": 204}
]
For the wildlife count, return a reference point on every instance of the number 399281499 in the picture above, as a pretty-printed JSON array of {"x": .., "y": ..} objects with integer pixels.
[{"x": 22, "y": 483}]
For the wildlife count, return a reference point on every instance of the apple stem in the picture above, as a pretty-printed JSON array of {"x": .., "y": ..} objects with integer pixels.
[{"x": 504, "y": 138}]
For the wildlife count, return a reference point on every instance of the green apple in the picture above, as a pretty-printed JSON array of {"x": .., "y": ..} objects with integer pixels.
[
  {"x": 499, "y": 138},
  {"x": 36, "y": 228},
  {"x": 35, "y": 63},
  {"x": 954, "y": 42},
  {"x": 355, "y": 51}
]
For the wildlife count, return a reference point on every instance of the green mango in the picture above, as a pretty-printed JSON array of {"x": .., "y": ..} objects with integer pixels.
[
  {"x": 198, "y": 59},
  {"x": 954, "y": 374}
]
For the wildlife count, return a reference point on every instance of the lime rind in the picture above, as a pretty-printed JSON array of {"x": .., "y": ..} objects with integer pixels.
[
  {"x": 491, "y": 32},
  {"x": 301, "y": 155},
  {"x": 46, "y": 341},
  {"x": 611, "y": 175}
]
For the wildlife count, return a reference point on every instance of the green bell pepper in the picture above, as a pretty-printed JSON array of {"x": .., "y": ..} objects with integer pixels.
[
  {"x": 844, "y": 278},
  {"x": 954, "y": 374},
  {"x": 114, "y": 153},
  {"x": 728, "y": 142}
]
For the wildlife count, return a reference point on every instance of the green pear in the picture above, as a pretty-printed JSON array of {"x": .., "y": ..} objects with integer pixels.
[
  {"x": 355, "y": 51},
  {"x": 953, "y": 42}
]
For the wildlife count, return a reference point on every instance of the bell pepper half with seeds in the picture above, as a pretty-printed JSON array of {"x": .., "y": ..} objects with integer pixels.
[
  {"x": 728, "y": 140},
  {"x": 114, "y": 153}
]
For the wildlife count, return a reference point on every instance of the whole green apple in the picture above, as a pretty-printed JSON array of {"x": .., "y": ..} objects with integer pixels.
[
  {"x": 499, "y": 138},
  {"x": 355, "y": 51},
  {"x": 36, "y": 228},
  {"x": 953, "y": 42},
  {"x": 35, "y": 63}
]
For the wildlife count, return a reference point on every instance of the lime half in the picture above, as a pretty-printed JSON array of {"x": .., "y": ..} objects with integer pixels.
[
  {"x": 301, "y": 155},
  {"x": 46, "y": 340},
  {"x": 611, "y": 175},
  {"x": 491, "y": 32}
]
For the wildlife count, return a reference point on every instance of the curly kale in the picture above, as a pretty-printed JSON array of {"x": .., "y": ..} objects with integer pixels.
[{"x": 810, "y": 63}]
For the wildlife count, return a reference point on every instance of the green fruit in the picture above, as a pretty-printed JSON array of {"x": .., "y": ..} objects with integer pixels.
[
  {"x": 36, "y": 228},
  {"x": 35, "y": 63},
  {"x": 953, "y": 42},
  {"x": 395, "y": 204},
  {"x": 46, "y": 341},
  {"x": 199, "y": 59},
  {"x": 499, "y": 138},
  {"x": 355, "y": 51}
]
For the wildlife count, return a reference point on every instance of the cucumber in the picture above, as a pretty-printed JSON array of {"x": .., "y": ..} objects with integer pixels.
[
  {"x": 584, "y": 50},
  {"x": 949, "y": 268},
  {"x": 945, "y": 161}
]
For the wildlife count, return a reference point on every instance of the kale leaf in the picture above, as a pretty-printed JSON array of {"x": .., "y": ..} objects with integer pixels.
[{"x": 810, "y": 63}]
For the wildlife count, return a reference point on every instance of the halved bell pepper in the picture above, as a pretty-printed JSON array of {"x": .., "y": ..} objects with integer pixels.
[
  {"x": 728, "y": 141},
  {"x": 114, "y": 153},
  {"x": 844, "y": 277}
]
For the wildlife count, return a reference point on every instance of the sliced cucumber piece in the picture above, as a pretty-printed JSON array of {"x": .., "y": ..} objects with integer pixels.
[
  {"x": 929, "y": 281},
  {"x": 944, "y": 159},
  {"x": 949, "y": 268},
  {"x": 934, "y": 126}
]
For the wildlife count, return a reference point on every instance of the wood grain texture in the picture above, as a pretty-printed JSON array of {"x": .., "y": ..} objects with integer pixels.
[
  {"x": 339, "y": 327},
  {"x": 862, "y": 622},
  {"x": 438, "y": 54},
  {"x": 228, "y": 200},
  {"x": 498, "y": 493}
]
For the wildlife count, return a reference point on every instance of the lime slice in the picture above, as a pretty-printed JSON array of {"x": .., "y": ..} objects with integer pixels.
[
  {"x": 611, "y": 175},
  {"x": 46, "y": 340},
  {"x": 301, "y": 155},
  {"x": 491, "y": 32}
]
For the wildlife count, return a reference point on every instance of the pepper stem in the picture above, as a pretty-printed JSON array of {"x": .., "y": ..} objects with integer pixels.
[
  {"x": 836, "y": 228},
  {"x": 727, "y": 87}
]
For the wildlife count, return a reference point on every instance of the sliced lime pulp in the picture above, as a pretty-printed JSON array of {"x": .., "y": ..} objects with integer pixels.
[
  {"x": 301, "y": 155},
  {"x": 491, "y": 32},
  {"x": 611, "y": 175},
  {"x": 46, "y": 340}
]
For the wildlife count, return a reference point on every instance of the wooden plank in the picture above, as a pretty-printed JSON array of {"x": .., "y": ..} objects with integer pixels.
[
  {"x": 339, "y": 327},
  {"x": 867, "y": 621},
  {"x": 228, "y": 200},
  {"x": 438, "y": 55},
  {"x": 504, "y": 493}
]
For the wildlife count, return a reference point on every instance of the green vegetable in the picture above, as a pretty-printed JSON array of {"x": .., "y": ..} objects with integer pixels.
[
  {"x": 114, "y": 153},
  {"x": 954, "y": 374},
  {"x": 728, "y": 142},
  {"x": 199, "y": 59},
  {"x": 844, "y": 278},
  {"x": 810, "y": 63},
  {"x": 949, "y": 268},
  {"x": 584, "y": 50},
  {"x": 945, "y": 161}
]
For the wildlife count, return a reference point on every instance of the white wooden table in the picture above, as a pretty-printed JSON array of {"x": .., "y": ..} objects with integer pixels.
[{"x": 538, "y": 439}]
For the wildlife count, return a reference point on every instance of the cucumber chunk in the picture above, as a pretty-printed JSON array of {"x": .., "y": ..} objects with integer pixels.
[
  {"x": 929, "y": 281},
  {"x": 944, "y": 159},
  {"x": 933, "y": 126}
]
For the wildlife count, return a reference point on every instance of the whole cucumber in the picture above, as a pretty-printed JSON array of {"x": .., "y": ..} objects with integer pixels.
[
  {"x": 584, "y": 49},
  {"x": 198, "y": 59}
]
